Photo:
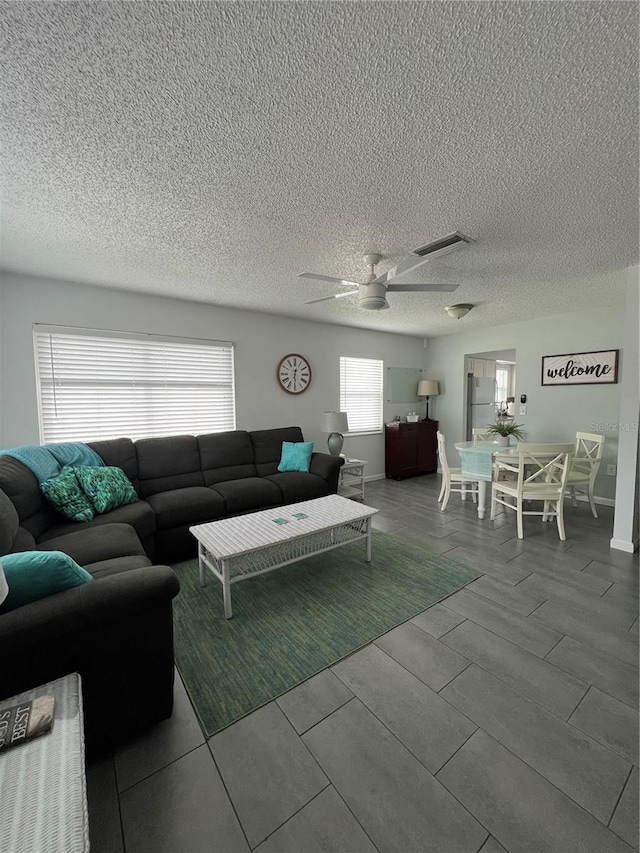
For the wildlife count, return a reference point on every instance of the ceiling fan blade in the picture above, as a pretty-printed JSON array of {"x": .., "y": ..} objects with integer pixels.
[
  {"x": 422, "y": 288},
  {"x": 406, "y": 265},
  {"x": 330, "y": 278},
  {"x": 335, "y": 296}
]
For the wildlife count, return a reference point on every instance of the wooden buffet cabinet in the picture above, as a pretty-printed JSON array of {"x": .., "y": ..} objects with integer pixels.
[{"x": 410, "y": 449}]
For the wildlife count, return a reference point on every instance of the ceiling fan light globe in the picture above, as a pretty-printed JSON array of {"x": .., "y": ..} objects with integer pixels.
[
  {"x": 373, "y": 297},
  {"x": 373, "y": 303}
]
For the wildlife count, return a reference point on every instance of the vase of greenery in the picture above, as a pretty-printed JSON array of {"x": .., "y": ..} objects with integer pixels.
[{"x": 503, "y": 430}]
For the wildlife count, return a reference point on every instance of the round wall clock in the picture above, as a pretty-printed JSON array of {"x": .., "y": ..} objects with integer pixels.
[{"x": 294, "y": 373}]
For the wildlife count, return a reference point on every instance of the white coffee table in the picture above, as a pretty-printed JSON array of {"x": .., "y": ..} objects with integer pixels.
[{"x": 242, "y": 547}]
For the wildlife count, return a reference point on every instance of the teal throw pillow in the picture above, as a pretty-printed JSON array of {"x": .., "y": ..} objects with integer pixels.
[
  {"x": 65, "y": 494},
  {"x": 32, "y": 575},
  {"x": 296, "y": 456},
  {"x": 106, "y": 488}
]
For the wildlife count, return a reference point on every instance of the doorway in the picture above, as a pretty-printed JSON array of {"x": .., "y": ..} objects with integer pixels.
[{"x": 490, "y": 388}]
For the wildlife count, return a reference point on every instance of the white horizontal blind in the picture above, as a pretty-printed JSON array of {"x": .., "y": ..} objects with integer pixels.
[
  {"x": 361, "y": 393},
  {"x": 96, "y": 385}
]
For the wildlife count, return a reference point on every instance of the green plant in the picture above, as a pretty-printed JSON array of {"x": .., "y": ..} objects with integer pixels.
[{"x": 506, "y": 428}]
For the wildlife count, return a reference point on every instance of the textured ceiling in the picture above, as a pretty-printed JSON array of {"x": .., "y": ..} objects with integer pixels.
[{"x": 211, "y": 151}]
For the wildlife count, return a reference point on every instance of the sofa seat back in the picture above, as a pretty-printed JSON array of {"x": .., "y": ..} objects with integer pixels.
[
  {"x": 21, "y": 486},
  {"x": 267, "y": 447},
  {"x": 218, "y": 449},
  {"x": 168, "y": 463},
  {"x": 12, "y": 536},
  {"x": 119, "y": 453}
]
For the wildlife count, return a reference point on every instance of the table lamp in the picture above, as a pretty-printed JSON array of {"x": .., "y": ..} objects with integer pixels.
[
  {"x": 428, "y": 388},
  {"x": 335, "y": 423}
]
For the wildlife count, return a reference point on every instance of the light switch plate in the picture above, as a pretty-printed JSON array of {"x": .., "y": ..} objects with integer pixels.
[{"x": 523, "y": 410}]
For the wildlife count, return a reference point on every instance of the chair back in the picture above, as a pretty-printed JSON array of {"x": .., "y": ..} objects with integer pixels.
[
  {"x": 587, "y": 454},
  {"x": 543, "y": 466},
  {"x": 480, "y": 435},
  {"x": 442, "y": 453}
]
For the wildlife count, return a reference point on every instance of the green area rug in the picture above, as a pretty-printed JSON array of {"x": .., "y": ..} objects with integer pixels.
[{"x": 295, "y": 621}]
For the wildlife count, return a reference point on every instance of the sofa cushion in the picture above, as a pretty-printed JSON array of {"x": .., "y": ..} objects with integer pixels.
[
  {"x": 296, "y": 456},
  {"x": 65, "y": 494},
  {"x": 186, "y": 506},
  {"x": 249, "y": 494},
  {"x": 32, "y": 575},
  {"x": 267, "y": 447},
  {"x": 92, "y": 545},
  {"x": 226, "y": 456},
  {"x": 22, "y": 488},
  {"x": 107, "y": 488},
  {"x": 139, "y": 515},
  {"x": 121, "y": 453},
  {"x": 298, "y": 486},
  {"x": 168, "y": 463},
  {"x": 9, "y": 524},
  {"x": 115, "y": 566}
]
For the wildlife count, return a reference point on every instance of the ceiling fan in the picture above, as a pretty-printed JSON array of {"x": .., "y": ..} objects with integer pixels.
[{"x": 372, "y": 293}]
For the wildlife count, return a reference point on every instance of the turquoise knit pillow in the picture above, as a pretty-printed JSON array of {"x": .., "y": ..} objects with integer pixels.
[
  {"x": 296, "y": 456},
  {"x": 106, "y": 488},
  {"x": 65, "y": 494},
  {"x": 32, "y": 575}
]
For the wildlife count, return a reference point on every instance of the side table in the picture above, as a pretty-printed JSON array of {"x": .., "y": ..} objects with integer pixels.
[
  {"x": 43, "y": 794},
  {"x": 351, "y": 483}
]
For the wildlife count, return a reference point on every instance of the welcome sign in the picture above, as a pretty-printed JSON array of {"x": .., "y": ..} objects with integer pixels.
[{"x": 581, "y": 368}]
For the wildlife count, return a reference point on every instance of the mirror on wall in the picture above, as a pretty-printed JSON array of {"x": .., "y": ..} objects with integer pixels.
[
  {"x": 402, "y": 384},
  {"x": 490, "y": 388}
]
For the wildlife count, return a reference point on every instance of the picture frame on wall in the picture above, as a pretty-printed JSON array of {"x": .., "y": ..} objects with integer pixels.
[{"x": 581, "y": 368}]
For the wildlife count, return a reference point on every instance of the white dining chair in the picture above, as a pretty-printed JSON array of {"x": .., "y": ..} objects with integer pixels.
[
  {"x": 584, "y": 466},
  {"x": 479, "y": 435},
  {"x": 541, "y": 475},
  {"x": 452, "y": 479}
]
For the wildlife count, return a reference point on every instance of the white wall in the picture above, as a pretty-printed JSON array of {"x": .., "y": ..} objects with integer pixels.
[
  {"x": 261, "y": 340},
  {"x": 625, "y": 528},
  {"x": 553, "y": 413}
]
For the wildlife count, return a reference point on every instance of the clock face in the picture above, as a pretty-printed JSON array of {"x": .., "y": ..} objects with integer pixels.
[{"x": 294, "y": 373}]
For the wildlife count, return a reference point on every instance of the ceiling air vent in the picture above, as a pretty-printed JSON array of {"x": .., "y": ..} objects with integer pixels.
[{"x": 443, "y": 245}]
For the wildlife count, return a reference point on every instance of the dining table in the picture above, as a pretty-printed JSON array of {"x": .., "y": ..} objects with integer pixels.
[{"x": 477, "y": 463}]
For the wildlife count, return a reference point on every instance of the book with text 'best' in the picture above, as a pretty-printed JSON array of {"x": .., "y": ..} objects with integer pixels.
[{"x": 26, "y": 720}]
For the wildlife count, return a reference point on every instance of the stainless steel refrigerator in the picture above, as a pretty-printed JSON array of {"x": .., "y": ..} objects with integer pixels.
[{"x": 481, "y": 411}]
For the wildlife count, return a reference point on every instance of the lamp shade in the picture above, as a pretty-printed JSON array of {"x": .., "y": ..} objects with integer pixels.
[
  {"x": 334, "y": 422},
  {"x": 428, "y": 388}
]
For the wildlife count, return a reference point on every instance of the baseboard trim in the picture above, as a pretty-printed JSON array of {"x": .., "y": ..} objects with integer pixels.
[
  {"x": 374, "y": 477},
  {"x": 623, "y": 545}
]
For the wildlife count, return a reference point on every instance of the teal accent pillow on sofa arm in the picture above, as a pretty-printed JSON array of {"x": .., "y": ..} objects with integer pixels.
[
  {"x": 32, "y": 575},
  {"x": 296, "y": 456},
  {"x": 107, "y": 487},
  {"x": 64, "y": 492}
]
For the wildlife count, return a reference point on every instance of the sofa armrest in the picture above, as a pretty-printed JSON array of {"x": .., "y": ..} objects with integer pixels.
[
  {"x": 328, "y": 467},
  {"x": 117, "y": 632},
  {"x": 109, "y": 600}
]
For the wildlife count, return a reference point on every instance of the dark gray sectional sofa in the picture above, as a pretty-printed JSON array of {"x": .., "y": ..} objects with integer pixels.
[{"x": 118, "y": 631}]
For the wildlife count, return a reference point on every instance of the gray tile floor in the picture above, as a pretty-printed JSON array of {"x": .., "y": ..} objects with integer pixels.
[{"x": 503, "y": 718}]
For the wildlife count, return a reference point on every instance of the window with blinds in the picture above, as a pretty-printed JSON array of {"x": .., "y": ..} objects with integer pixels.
[
  {"x": 361, "y": 393},
  {"x": 94, "y": 385}
]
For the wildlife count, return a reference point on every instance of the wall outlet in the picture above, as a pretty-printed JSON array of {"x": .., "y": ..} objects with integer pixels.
[
  {"x": 523, "y": 410},
  {"x": 611, "y": 470}
]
